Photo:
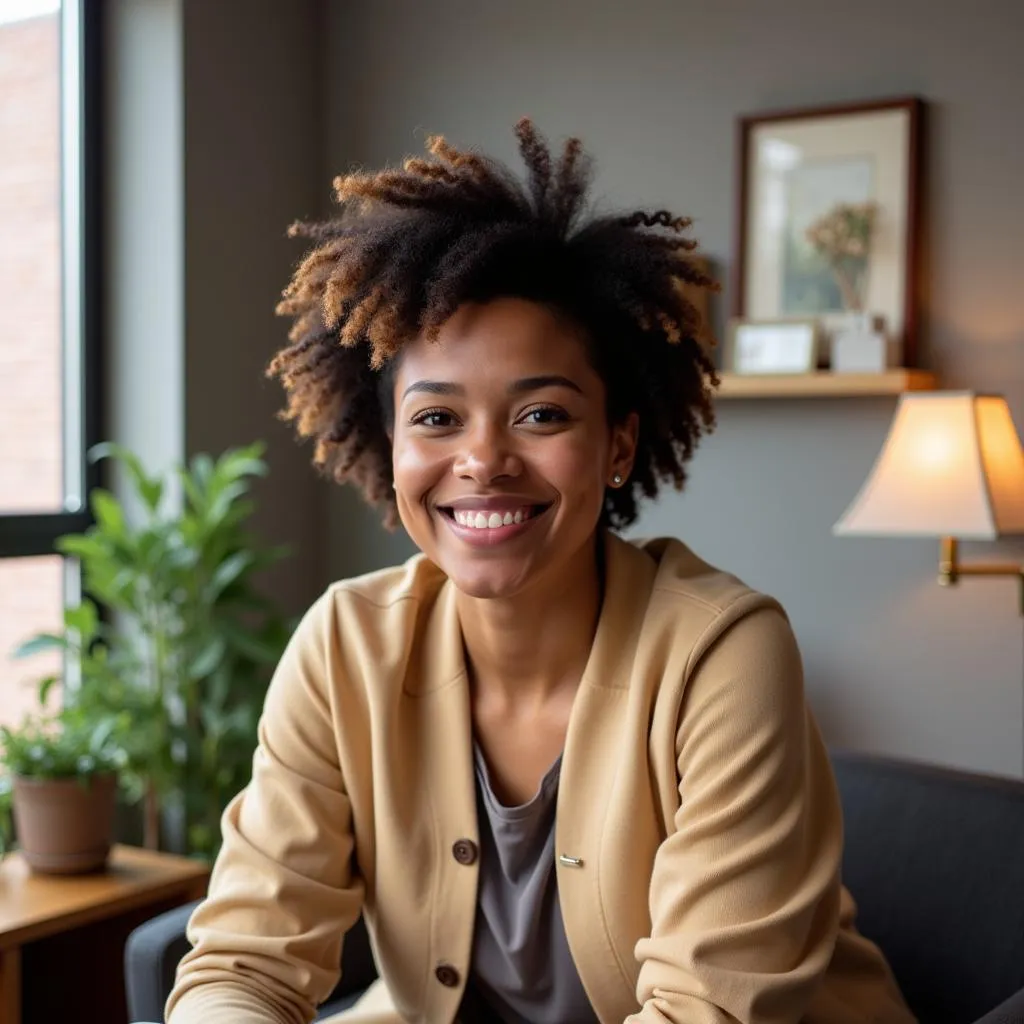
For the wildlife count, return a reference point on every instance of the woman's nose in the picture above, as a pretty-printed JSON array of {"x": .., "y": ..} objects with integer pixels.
[{"x": 488, "y": 455}]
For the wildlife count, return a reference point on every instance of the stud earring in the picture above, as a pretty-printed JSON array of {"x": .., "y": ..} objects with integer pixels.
[{"x": 617, "y": 480}]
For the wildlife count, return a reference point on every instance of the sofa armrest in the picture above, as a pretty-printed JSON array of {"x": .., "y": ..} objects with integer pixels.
[
  {"x": 151, "y": 958},
  {"x": 1010, "y": 1012}
]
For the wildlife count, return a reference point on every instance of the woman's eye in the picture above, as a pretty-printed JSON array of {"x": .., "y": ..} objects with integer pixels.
[
  {"x": 433, "y": 418},
  {"x": 544, "y": 416}
]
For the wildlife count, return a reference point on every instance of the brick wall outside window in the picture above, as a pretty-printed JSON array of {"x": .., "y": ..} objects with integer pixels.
[{"x": 30, "y": 321}]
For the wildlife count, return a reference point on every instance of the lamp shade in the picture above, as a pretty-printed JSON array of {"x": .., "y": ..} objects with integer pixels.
[{"x": 952, "y": 466}]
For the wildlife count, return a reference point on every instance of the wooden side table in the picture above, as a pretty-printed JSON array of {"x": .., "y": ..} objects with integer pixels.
[{"x": 62, "y": 938}]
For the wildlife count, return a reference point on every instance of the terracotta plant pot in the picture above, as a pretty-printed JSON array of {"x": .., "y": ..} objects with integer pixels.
[{"x": 65, "y": 827}]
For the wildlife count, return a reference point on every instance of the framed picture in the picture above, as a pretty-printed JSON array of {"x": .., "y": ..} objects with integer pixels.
[
  {"x": 828, "y": 216},
  {"x": 772, "y": 346}
]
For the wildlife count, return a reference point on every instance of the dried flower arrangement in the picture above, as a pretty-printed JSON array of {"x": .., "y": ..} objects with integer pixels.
[{"x": 842, "y": 236}]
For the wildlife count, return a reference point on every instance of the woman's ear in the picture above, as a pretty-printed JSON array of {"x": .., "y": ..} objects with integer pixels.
[{"x": 625, "y": 436}]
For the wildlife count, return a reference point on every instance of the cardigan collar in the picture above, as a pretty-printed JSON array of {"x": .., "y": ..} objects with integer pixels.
[{"x": 629, "y": 577}]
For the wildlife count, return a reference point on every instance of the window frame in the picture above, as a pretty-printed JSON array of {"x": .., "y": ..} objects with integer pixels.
[{"x": 26, "y": 535}]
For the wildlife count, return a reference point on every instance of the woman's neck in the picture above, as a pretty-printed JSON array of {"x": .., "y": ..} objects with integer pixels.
[{"x": 534, "y": 646}]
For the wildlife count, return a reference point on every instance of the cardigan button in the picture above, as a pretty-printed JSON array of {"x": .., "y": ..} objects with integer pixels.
[
  {"x": 465, "y": 851},
  {"x": 447, "y": 975}
]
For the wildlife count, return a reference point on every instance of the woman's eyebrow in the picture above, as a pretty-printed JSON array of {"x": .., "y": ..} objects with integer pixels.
[
  {"x": 525, "y": 384},
  {"x": 549, "y": 381},
  {"x": 434, "y": 387}
]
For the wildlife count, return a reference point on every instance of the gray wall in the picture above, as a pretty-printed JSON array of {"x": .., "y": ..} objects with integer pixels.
[
  {"x": 895, "y": 664},
  {"x": 214, "y": 144},
  {"x": 143, "y": 280},
  {"x": 254, "y": 144}
]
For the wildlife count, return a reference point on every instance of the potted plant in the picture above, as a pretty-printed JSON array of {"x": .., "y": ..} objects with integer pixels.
[
  {"x": 62, "y": 775},
  {"x": 187, "y": 643}
]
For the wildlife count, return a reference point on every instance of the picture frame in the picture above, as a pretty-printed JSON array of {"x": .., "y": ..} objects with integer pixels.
[
  {"x": 828, "y": 217},
  {"x": 771, "y": 347}
]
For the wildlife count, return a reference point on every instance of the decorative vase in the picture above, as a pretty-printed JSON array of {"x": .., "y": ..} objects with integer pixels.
[{"x": 64, "y": 826}]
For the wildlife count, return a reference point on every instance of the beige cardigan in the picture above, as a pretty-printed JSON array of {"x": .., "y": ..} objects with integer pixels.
[{"x": 695, "y": 794}]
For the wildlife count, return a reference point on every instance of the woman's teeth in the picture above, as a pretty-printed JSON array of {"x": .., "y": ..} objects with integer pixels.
[{"x": 490, "y": 520}]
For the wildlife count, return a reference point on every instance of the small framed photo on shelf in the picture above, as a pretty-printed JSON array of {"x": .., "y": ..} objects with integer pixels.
[
  {"x": 772, "y": 346},
  {"x": 828, "y": 219}
]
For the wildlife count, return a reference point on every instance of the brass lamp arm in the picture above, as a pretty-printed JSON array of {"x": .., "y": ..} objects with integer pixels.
[{"x": 950, "y": 568}]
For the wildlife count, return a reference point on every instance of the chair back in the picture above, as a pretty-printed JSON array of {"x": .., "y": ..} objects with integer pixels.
[{"x": 934, "y": 859}]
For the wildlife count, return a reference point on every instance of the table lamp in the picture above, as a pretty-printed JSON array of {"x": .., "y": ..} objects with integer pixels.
[{"x": 951, "y": 467}]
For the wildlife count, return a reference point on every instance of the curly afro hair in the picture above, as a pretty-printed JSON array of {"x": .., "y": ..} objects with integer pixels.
[{"x": 410, "y": 246}]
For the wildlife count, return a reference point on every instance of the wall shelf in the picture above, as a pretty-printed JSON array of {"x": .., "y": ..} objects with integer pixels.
[{"x": 824, "y": 384}]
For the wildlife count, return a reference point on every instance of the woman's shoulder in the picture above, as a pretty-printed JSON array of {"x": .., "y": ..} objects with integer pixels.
[
  {"x": 690, "y": 599},
  {"x": 376, "y": 610},
  {"x": 698, "y": 620},
  {"x": 683, "y": 576},
  {"x": 362, "y": 632}
]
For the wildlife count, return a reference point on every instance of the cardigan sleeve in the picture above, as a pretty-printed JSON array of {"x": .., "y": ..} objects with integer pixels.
[
  {"x": 745, "y": 892},
  {"x": 267, "y": 939}
]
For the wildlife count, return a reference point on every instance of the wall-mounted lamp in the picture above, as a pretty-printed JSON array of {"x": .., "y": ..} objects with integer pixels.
[{"x": 952, "y": 467}]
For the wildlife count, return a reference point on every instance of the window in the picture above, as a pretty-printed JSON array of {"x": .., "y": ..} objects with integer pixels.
[{"x": 49, "y": 101}]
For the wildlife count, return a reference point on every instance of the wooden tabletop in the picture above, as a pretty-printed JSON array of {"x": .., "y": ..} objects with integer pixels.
[{"x": 33, "y": 906}]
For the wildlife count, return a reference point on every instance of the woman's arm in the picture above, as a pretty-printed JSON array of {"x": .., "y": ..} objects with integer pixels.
[
  {"x": 745, "y": 892},
  {"x": 267, "y": 940}
]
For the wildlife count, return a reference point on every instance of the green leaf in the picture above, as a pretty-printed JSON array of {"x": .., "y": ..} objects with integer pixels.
[
  {"x": 101, "y": 734},
  {"x": 84, "y": 620},
  {"x": 236, "y": 514},
  {"x": 6, "y": 815},
  {"x": 202, "y": 470},
  {"x": 81, "y": 545},
  {"x": 152, "y": 493},
  {"x": 40, "y": 643},
  {"x": 247, "y": 461},
  {"x": 150, "y": 489},
  {"x": 185, "y": 557},
  {"x": 109, "y": 513},
  {"x": 207, "y": 660},
  {"x": 227, "y": 572},
  {"x": 45, "y": 686},
  {"x": 227, "y": 500},
  {"x": 240, "y": 466},
  {"x": 193, "y": 491}
]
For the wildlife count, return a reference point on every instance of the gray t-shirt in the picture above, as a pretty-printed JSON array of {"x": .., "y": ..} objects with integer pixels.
[{"x": 521, "y": 971}]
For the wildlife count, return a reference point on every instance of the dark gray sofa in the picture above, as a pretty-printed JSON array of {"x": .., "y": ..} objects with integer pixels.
[{"x": 934, "y": 858}]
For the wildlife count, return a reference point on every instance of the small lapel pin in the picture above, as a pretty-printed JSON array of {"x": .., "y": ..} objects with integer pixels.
[{"x": 570, "y": 862}]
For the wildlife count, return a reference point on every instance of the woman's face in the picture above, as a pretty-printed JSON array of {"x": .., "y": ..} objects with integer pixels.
[{"x": 501, "y": 448}]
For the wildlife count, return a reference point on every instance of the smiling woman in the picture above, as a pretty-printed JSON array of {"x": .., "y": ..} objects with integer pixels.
[{"x": 564, "y": 778}]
